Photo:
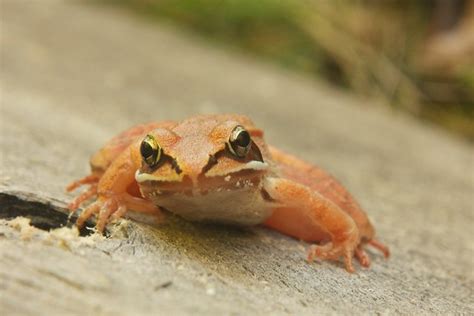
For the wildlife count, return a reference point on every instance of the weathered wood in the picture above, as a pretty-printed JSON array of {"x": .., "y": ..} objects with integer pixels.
[{"x": 73, "y": 75}]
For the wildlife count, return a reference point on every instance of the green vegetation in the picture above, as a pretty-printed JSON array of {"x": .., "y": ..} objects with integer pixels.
[{"x": 375, "y": 48}]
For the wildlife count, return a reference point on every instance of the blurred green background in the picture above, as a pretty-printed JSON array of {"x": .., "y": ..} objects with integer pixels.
[{"x": 415, "y": 56}]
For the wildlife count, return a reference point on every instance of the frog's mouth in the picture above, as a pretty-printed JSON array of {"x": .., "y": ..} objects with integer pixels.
[{"x": 240, "y": 179}]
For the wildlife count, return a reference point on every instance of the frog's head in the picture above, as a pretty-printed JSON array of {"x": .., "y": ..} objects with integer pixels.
[{"x": 199, "y": 157}]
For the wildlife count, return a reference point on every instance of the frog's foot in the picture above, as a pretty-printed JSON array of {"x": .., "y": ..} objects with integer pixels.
[
  {"x": 104, "y": 209},
  {"x": 109, "y": 209},
  {"x": 332, "y": 252},
  {"x": 346, "y": 248}
]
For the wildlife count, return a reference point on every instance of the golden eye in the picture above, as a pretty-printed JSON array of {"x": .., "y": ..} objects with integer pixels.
[
  {"x": 240, "y": 142},
  {"x": 150, "y": 151}
]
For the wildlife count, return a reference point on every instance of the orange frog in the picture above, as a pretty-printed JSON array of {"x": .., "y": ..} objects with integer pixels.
[{"x": 219, "y": 168}]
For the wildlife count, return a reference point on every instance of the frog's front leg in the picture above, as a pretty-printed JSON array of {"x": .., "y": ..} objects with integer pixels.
[
  {"x": 104, "y": 157},
  {"x": 114, "y": 195},
  {"x": 305, "y": 213}
]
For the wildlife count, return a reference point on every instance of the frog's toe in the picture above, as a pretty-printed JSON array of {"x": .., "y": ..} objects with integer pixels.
[
  {"x": 90, "y": 179},
  {"x": 84, "y": 196},
  {"x": 331, "y": 251},
  {"x": 378, "y": 245},
  {"x": 92, "y": 209},
  {"x": 106, "y": 210},
  {"x": 111, "y": 210},
  {"x": 362, "y": 256},
  {"x": 323, "y": 252},
  {"x": 334, "y": 250}
]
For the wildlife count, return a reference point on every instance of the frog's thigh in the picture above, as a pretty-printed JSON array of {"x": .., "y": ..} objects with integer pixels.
[{"x": 305, "y": 214}]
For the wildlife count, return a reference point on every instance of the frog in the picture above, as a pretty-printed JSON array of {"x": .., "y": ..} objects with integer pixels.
[{"x": 218, "y": 168}]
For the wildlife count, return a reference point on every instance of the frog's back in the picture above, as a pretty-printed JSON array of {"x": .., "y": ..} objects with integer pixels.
[{"x": 204, "y": 124}]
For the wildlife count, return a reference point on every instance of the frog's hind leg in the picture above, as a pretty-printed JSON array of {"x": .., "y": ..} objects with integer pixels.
[
  {"x": 311, "y": 213},
  {"x": 317, "y": 208}
]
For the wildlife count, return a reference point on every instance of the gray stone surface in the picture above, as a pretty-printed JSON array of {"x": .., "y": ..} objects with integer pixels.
[{"x": 72, "y": 75}]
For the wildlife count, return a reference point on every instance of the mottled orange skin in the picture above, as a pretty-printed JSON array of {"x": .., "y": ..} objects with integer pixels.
[{"x": 298, "y": 199}]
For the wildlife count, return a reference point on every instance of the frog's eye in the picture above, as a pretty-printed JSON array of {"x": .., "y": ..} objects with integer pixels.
[
  {"x": 150, "y": 151},
  {"x": 239, "y": 142}
]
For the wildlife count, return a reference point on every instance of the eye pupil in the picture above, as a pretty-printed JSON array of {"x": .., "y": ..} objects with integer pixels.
[
  {"x": 146, "y": 150},
  {"x": 243, "y": 139},
  {"x": 240, "y": 142},
  {"x": 150, "y": 151}
]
